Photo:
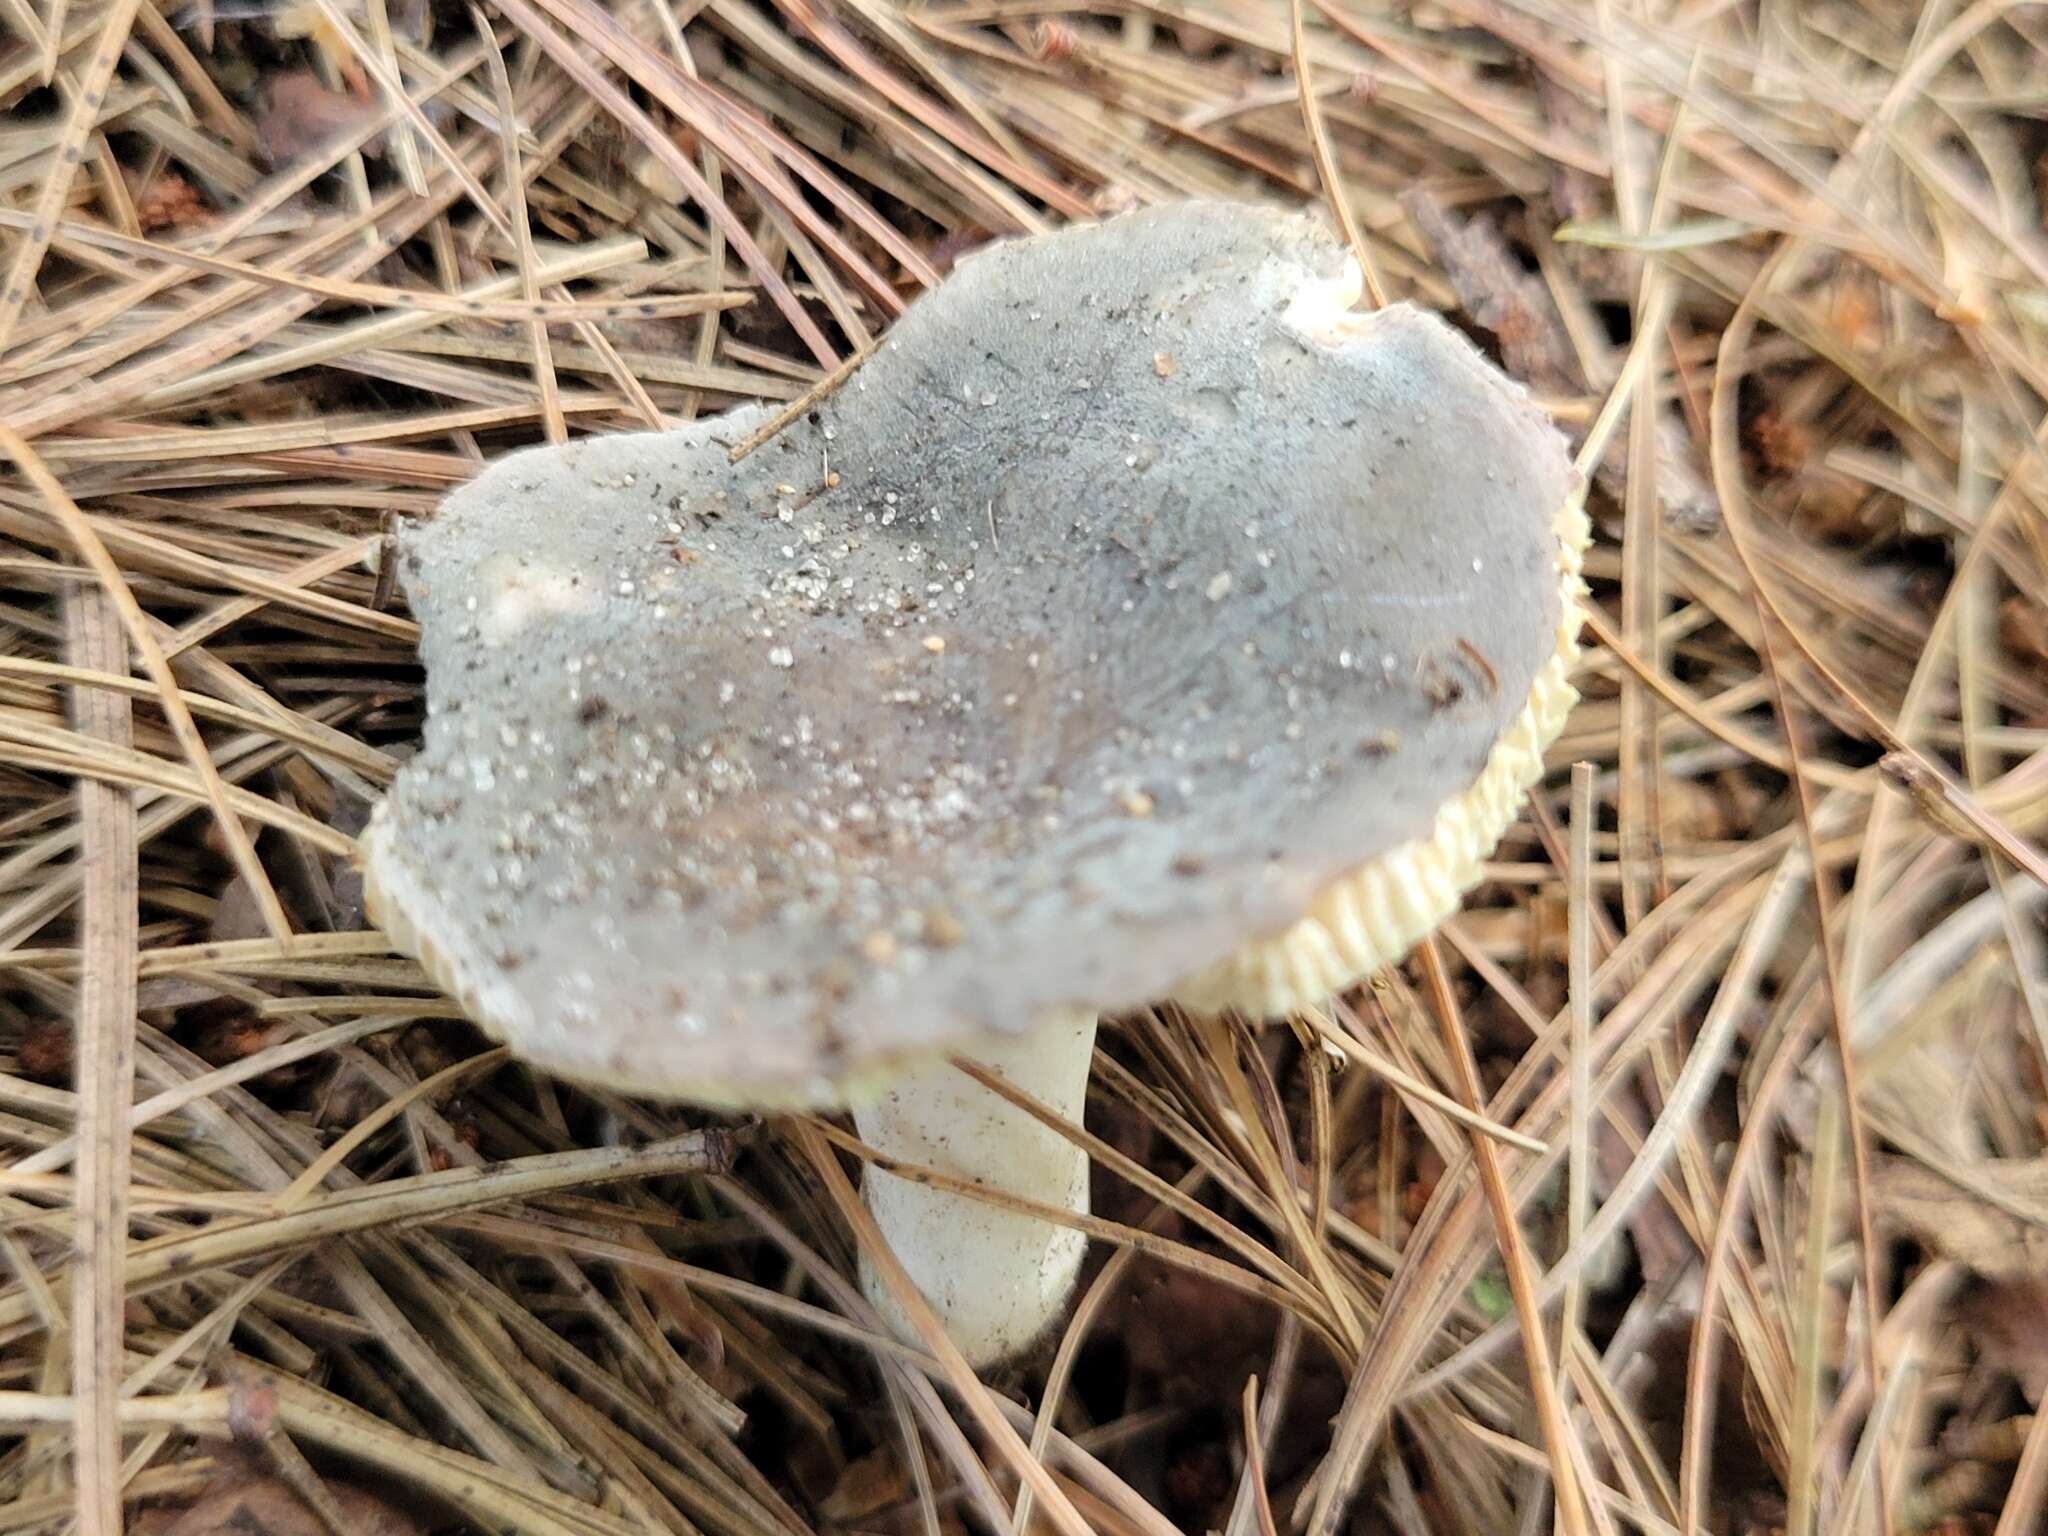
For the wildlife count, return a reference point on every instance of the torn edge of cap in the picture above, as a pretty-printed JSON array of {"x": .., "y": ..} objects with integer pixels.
[{"x": 1372, "y": 917}]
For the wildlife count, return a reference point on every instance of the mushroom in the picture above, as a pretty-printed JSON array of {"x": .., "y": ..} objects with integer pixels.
[{"x": 1138, "y": 623}]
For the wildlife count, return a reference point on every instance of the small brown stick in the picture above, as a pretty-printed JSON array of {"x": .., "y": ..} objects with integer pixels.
[
  {"x": 1495, "y": 290},
  {"x": 1477, "y": 657},
  {"x": 822, "y": 390}
]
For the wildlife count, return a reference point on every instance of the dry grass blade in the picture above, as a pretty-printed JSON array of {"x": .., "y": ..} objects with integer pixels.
[
  {"x": 18, "y": 1410},
  {"x": 1846, "y": 1065},
  {"x": 375, "y": 295},
  {"x": 1414, "y": 1088},
  {"x": 1052, "y": 1499},
  {"x": 87, "y": 93},
  {"x": 420, "y": 1198},
  {"x": 106, "y": 1066},
  {"x": 1326, "y": 163},
  {"x": 65, "y": 513},
  {"x": 552, "y": 420},
  {"x": 2029, "y": 1496},
  {"x": 1804, "y": 1474},
  {"x": 1254, "y": 1460},
  {"x": 297, "y": 1192},
  {"x": 1761, "y": 940},
  {"x": 1130, "y": 1239},
  {"x": 1557, "y": 1431}
]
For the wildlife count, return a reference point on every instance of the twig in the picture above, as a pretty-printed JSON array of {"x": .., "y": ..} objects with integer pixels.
[{"x": 807, "y": 401}]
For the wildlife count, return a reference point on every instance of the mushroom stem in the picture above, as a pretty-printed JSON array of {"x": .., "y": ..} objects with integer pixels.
[{"x": 996, "y": 1278}]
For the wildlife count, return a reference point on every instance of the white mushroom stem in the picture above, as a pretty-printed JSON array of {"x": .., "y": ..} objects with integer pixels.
[{"x": 997, "y": 1279}]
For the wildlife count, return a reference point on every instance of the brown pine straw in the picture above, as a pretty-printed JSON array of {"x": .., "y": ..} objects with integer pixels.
[
  {"x": 78, "y": 532},
  {"x": 1781, "y": 280},
  {"x": 106, "y": 1067},
  {"x": 1572, "y": 1515}
]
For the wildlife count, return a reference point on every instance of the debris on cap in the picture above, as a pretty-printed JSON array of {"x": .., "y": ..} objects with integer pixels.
[{"x": 851, "y": 782}]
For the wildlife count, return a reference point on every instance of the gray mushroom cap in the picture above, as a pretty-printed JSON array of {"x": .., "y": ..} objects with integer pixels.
[{"x": 1130, "y": 598}]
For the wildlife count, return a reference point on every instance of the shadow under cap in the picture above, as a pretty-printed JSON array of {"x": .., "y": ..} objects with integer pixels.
[{"x": 1129, "y": 602}]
